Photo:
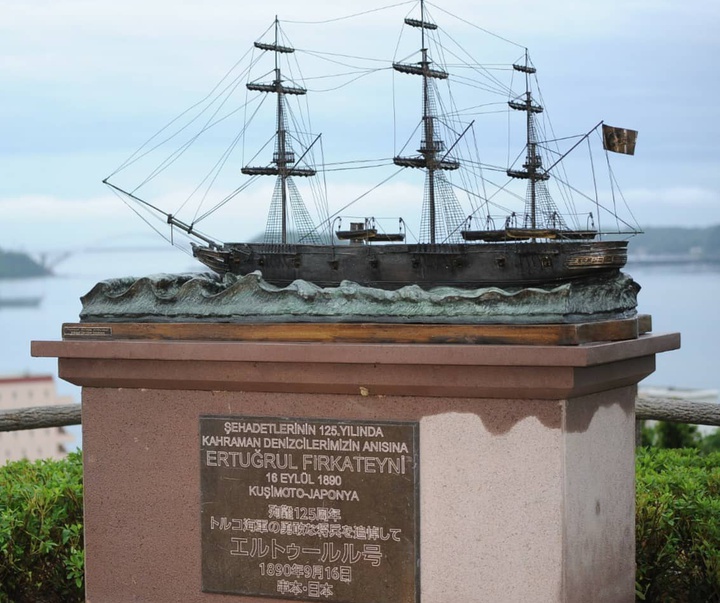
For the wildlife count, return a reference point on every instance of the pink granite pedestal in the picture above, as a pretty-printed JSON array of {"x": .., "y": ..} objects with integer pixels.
[{"x": 526, "y": 455}]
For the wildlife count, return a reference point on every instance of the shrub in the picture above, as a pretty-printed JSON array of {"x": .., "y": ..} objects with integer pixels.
[
  {"x": 41, "y": 531},
  {"x": 678, "y": 526},
  {"x": 664, "y": 434}
]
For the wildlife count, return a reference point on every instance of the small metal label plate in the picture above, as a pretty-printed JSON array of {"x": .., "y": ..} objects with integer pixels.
[
  {"x": 310, "y": 509},
  {"x": 83, "y": 331}
]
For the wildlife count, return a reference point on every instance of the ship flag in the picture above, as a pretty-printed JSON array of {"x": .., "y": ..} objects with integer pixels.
[{"x": 619, "y": 140}]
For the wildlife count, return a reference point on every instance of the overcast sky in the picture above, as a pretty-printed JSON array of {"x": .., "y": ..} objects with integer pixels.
[{"x": 85, "y": 82}]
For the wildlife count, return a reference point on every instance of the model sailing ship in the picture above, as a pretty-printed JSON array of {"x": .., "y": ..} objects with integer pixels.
[{"x": 532, "y": 247}]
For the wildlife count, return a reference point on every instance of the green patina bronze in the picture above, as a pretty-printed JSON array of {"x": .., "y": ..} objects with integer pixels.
[{"x": 205, "y": 297}]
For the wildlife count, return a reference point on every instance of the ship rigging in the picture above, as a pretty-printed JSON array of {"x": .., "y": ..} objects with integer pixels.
[{"x": 457, "y": 244}]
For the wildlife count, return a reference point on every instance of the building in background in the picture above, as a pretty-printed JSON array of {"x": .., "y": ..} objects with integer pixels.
[{"x": 32, "y": 444}]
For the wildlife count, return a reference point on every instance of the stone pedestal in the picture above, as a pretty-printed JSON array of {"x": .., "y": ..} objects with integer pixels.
[{"x": 526, "y": 455}]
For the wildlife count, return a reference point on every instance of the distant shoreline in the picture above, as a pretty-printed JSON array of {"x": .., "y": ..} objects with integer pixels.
[
  {"x": 671, "y": 259},
  {"x": 16, "y": 264}
]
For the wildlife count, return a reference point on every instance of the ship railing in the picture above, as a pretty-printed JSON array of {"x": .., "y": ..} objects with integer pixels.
[
  {"x": 288, "y": 157},
  {"x": 556, "y": 220},
  {"x": 436, "y": 146},
  {"x": 590, "y": 222},
  {"x": 489, "y": 222},
  {"x": 368, "y": 230}
]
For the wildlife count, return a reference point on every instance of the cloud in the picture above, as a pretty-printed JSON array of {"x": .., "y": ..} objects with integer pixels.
[
  {"x": 91, "y": 76},
  {"x": 48, "y": 208},
  {"x": 48, "y": 223},
  {"x": 685, "y": 197},
  {"x": 76, "y": 34},
  {"x": 675, "y": 206}
]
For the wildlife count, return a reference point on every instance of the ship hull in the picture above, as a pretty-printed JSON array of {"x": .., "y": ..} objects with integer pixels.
[{"x": 394, "y": 266}]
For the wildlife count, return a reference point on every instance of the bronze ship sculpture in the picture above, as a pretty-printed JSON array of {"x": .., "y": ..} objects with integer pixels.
[{"x": 535, "y": 246}]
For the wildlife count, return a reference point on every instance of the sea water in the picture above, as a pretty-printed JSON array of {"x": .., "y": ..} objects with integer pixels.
[
  {"x": 680, "y": 298},
  {"x": 61, "y": 303},
  {"x": 683, "y": 298}
]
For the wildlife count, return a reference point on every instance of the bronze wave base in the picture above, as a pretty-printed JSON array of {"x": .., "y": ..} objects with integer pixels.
[{"x": 250, "y": 299}]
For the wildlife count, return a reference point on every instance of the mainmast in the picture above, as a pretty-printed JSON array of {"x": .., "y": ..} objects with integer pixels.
[
  {"x": 532, "y": 168},
  {"x": 283, "y": 157},
  {"x": 430, "y": 146}
]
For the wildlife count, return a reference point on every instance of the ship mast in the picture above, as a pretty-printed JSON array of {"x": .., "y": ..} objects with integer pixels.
[
  {"x": 283, "y": 157},
  {"x": 532, "y": 168},
  {"x": 430, "y": 146}
]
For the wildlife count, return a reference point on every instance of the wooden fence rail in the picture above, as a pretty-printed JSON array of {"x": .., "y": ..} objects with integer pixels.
[
  {"x": 660, "y": 409},
  {"x": 678, "y": 411},
  {"x": 38, "y": 417}
]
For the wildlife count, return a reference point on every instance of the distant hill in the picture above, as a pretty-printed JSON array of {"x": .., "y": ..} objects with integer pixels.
[
  {"x": 695, "y": 243},
  {"x": 15, "y": 264}
]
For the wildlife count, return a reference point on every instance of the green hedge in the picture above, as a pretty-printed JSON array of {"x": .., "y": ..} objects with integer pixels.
[
  {"x": 677, "y": 528},
  {"x": 41, "y": 531}
]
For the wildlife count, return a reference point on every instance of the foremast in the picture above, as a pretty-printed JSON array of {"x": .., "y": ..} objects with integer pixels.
[
  {"x": 538, "y": 198},
  {"x": 284, "y": 164},
  {"x": 433, "y": 157}
]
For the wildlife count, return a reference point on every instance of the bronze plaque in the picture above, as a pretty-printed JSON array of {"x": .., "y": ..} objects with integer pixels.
[
  {"x": 310, "y": 509},
  {"x": 85, "y": 331}
]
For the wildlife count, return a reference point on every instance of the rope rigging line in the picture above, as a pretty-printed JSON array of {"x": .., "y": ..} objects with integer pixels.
[
  {"x": 360, "y": 167},
  {"x": 331, "y": 217},
  {"x": 446, "y": 117},
  {"x": 473, "y": 110},
  {"x": 181, "y": 150},
  {"x": 468, "y": 83},
  {"x": 355, "y": 79},
  {"x": 307, "y": 127},
  {"x": 410, "y": 138},
  {"x": 597, "y": 197},
  {"x": 219, "y": 165},
  {"x": 135, "y": 208},
  {"x": 600, "y": 205},
  {"x": 217, "y": 168},
  {"x": 136, "y": 157},
  {"x": 346, "y": 74},
  {"x": 636, "y": 228},
  {"x": 490, "y": 33},
  {"x": 318, "y": 188},
  {"x": 485, "y": 66},
  {"x": 335, "y": 19},
  {"x": 479, "y": 176},
  {"x": 319, "y": 54},
  {"x": 478, "y": 68},
  {"x": 261, "y": 149},
  {"x": 489, "y": 200},
  {"x": 394, "y": 98},
  {"x": 356, "y": 161},
  {"x": 228, "y": 198},
  {"x": 565, "y": 191}
]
